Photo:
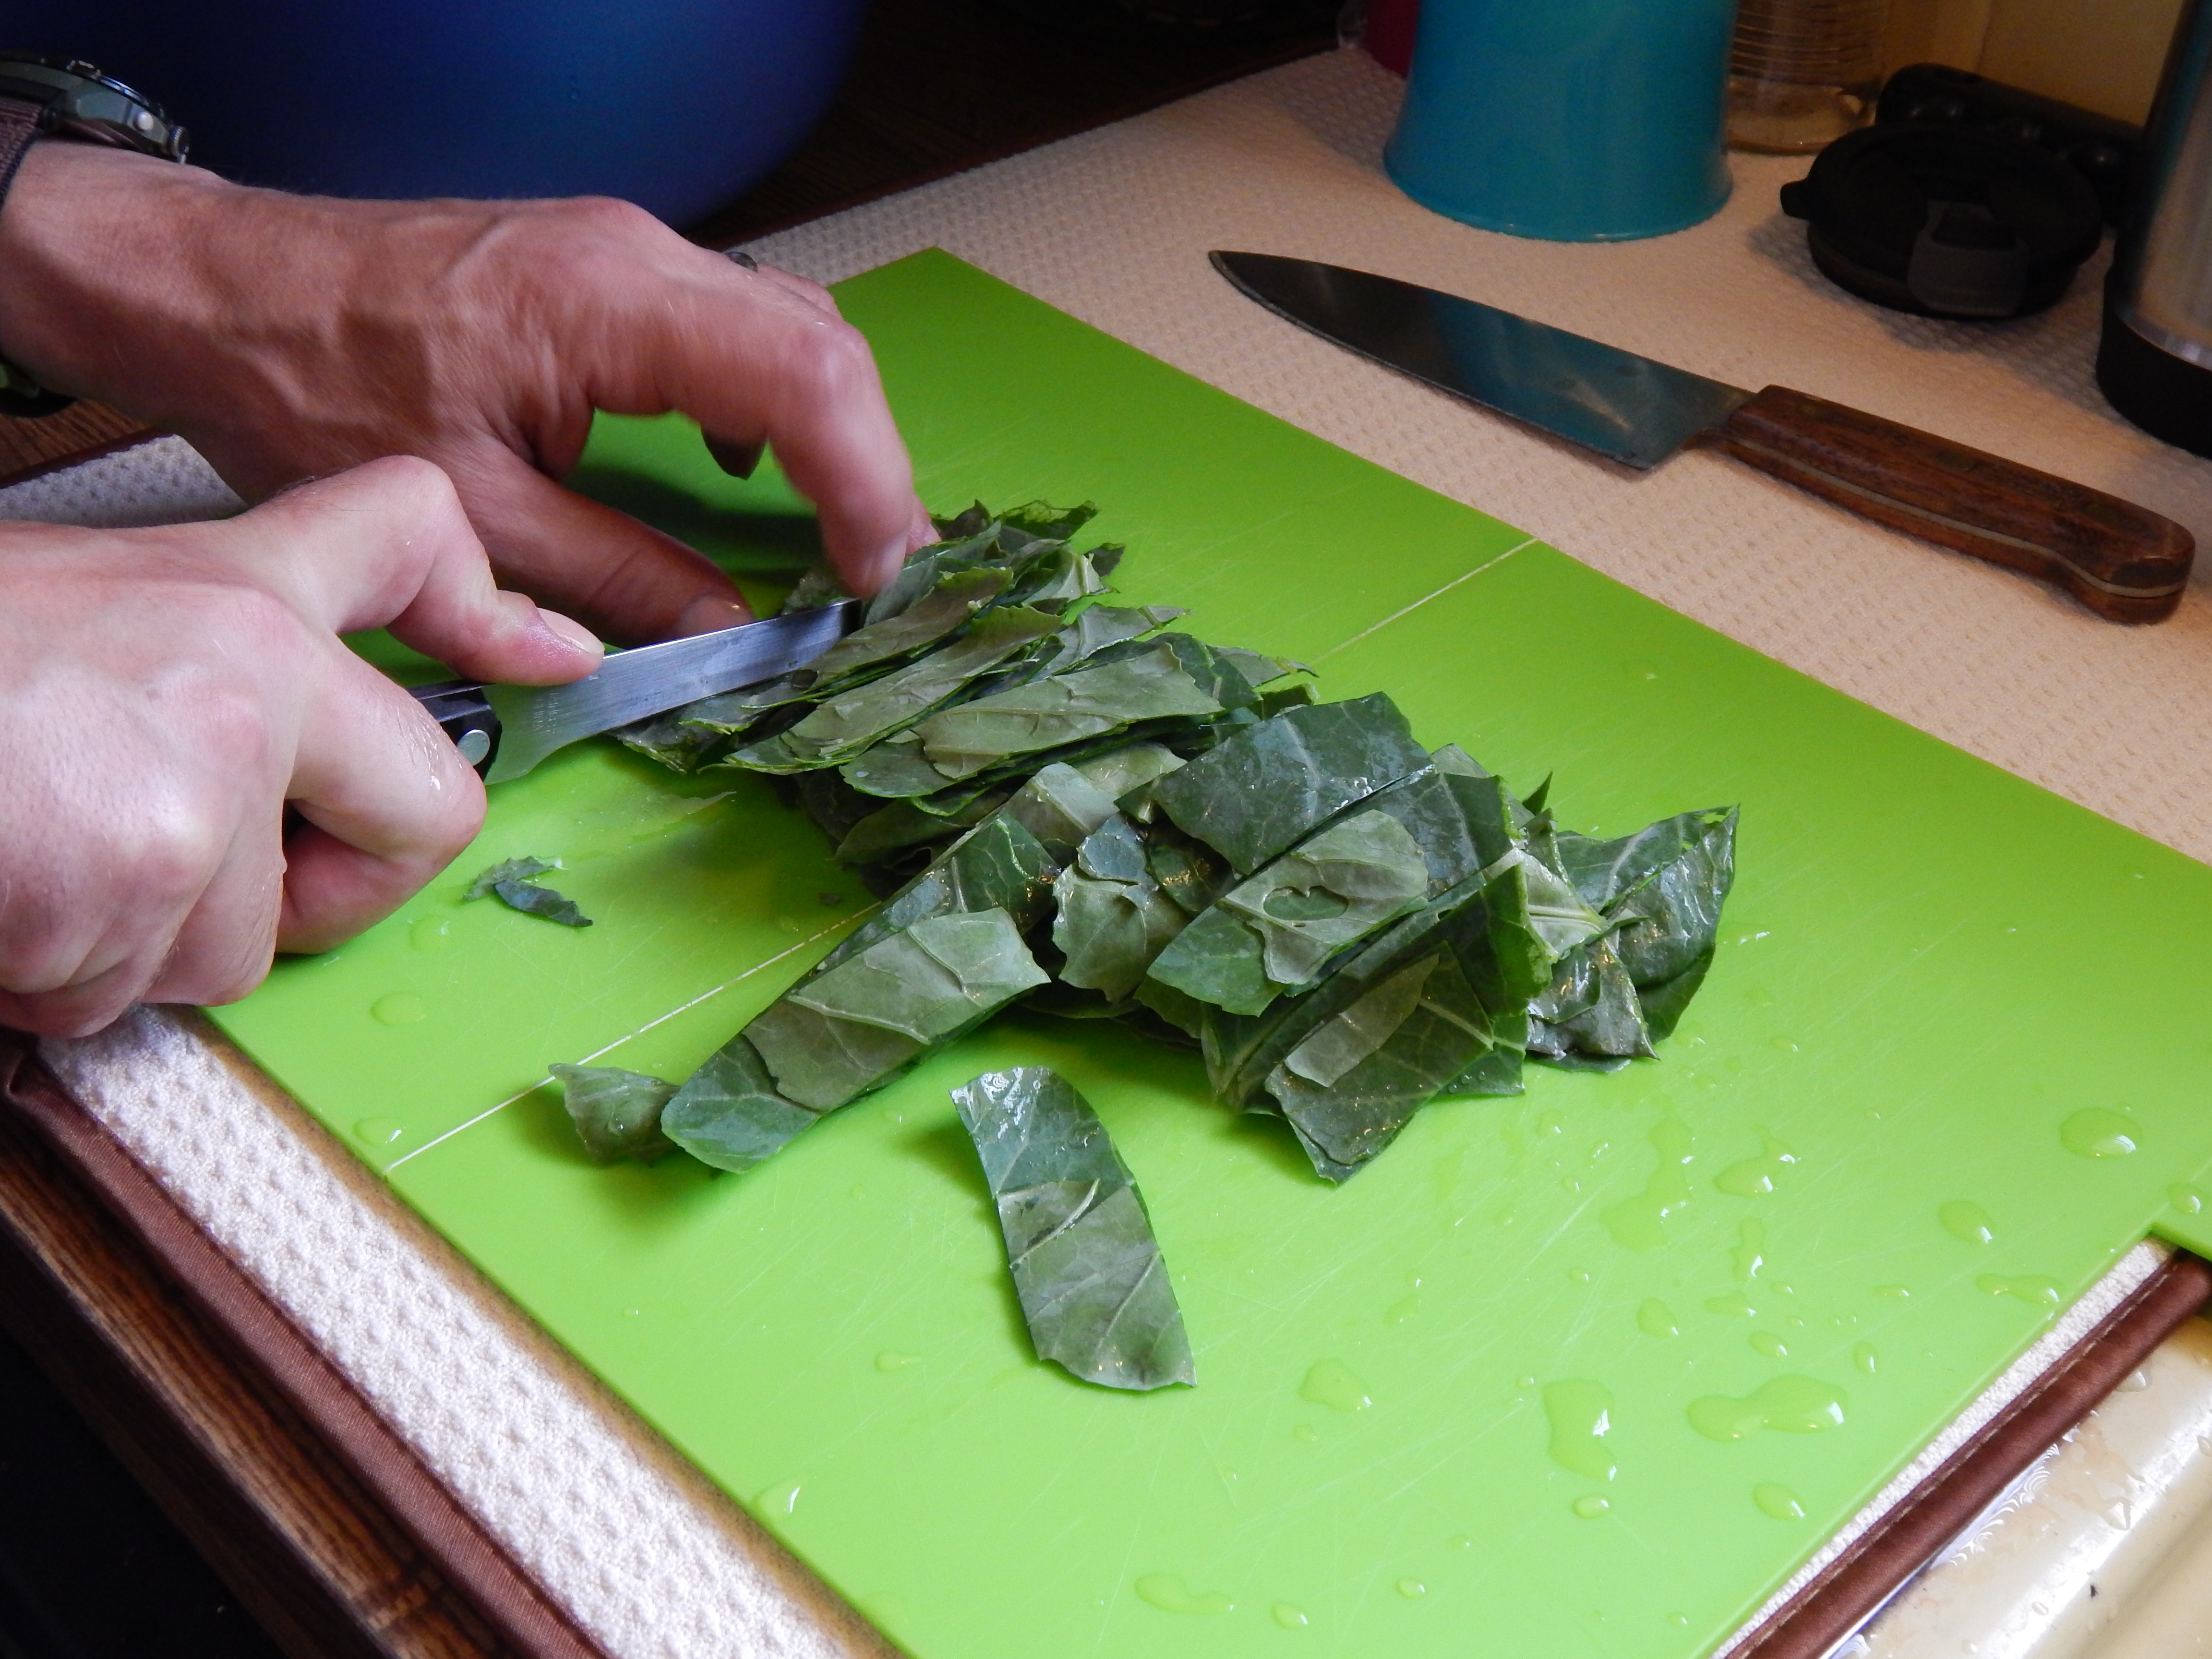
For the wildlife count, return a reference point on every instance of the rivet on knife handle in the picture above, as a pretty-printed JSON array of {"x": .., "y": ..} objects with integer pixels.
[
  {"x": 2123, "y": 562},
  {"x": 464, "y": 714}
]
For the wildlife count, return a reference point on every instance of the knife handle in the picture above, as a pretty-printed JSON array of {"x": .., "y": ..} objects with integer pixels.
[
  {"x": 2123, "y": 562},
  {"x": 464, "y": 715}
]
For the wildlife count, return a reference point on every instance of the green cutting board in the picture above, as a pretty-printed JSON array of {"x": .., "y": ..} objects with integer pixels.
[{"x": 1892, "y": 1136}]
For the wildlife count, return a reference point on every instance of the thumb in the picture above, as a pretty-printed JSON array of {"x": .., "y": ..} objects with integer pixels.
[{"x": 387, "y": 546}]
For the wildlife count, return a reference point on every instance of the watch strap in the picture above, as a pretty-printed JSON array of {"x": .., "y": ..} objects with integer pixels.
[
  {"x": 20, "y": 122},
  {"x": 19, "y": 126}
]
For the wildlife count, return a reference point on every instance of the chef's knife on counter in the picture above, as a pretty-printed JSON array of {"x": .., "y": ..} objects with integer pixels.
[
  {"x": 2123, "y": 562},
  {"x": 503, "y": 731}
]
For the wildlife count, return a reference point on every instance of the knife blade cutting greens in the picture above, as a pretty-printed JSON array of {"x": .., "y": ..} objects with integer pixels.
[
  {"x": 2123, "y": 562},
  {"x": 1073, "y": 807}
]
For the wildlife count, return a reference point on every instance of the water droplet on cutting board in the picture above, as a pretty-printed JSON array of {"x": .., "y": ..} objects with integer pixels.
[
  {"x": 1866, "y": 1357},
  {"x": 890, "y": 1359},
  {"x": 1591, "y": 1507},
  {"x": 2100, "y": 1132},
  {"x": 1581, "y": 1414},
  {"x": 399, "y": 1008},
  {"x": 1578, "y": 1276},
  {"x": 1777, "y": 1500},
  {"x": 1735, "y": 1304},
  {"x": 1655, "y": 1318},
  {"x": 1399, "y": 1311},
  {"x": 1332, "y": 1383},
  {"x": 2031, "y": 1288},
  {"x": 1966, "y": 1221},
  {"x": 1755, "y": 1177},
  {"x": 1290, "y": 1617},
  {"x": 780, "y": 1500},
  {"x": 1750, "y": 1252},
  {"x": 1771, "y": 1345},
  {"x": 1305, "y": 1431},
  {"x": 378, "y": 1131},
  {"x": 1639, "y": 1221},
  {"x": 1792, "y": 1405},
  {"x": 1412, "y": 1589},
  {"x": 1680, "y": 1619},
  {"x": 2187, "y": 1200},
  {"x": 1896, "y": 1293},
  {"x": 430, "y": 932},
  {"x": 1168, "y": 1592}
]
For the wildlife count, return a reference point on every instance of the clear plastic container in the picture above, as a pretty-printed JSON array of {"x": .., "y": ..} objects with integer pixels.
[{"x": 1803, "y": 73}]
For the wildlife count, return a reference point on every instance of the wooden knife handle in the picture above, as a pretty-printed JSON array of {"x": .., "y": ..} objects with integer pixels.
[{"x": 2123, "y": 562}]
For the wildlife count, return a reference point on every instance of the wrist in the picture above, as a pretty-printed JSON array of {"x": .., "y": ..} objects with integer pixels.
[{"x": 95, "y": 261}]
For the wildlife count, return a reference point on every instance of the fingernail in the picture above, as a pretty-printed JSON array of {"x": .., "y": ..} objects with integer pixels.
[
  {"x": 892, "y": 557},
  {"x": 569, "y": 631},
  {"x": 709, "y": 613}
]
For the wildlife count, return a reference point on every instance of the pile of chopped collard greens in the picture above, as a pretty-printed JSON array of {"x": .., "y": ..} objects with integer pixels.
[{"x": 1073, "y": 807}]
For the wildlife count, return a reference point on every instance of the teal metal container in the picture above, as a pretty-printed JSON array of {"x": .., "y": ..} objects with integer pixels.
[{"x": 1569, "y": 120}]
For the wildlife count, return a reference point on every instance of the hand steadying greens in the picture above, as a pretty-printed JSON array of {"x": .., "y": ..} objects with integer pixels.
[{"x": 1074, "y": 809}]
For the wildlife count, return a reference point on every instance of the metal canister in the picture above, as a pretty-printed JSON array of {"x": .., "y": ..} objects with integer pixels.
[{"x": 2154, "y": 362}]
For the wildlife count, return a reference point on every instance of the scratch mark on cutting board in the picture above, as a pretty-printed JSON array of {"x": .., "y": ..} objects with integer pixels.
[
  {"x": 703, "y": 996},
  {"x": 1407, "y": 610}
]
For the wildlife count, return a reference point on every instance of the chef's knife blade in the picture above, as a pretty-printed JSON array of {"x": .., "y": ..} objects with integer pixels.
[
  {"x": 2122, "y": 561},
  {"x": 504, "y": 731}
]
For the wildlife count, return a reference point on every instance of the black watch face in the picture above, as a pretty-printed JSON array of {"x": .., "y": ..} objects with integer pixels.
[{"x": 63, "y": 69}]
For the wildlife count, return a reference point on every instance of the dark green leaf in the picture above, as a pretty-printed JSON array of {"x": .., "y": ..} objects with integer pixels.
[
  {"x": 509, "y": 870},
  {"x": 1356, "y": 1080},
  {"x": 1091, "y": 702},
  {"x": 1671, "y": 921},
  {"x": 948, "y": 604},
  {"x": 1087, "y": 1267},
  {"x": 1663, "y": 1002},
  {"x": 1276, "y": 930},
  {"x": 843, "y": 725},
  {"x": 728, "y": 1112},
  {"x": 514, "y": 883},
  {"x": 1096, "y": 627},
  {"x": 1112, "y": 919},
  {"x": 842, "y": 1033},
  {"x": 1118, "y": 771},
  {"x": 1260, "y": 792},
  {"x": 902, "y": 825},
  {"x": 673, "y": 741},
  {"x": 1046, "y": 522},
  {"x": 1485, "y": 925},
  {"x": 616, "y": 1113},
  {"x": 1590, "y": 1006},
  {"x": 1061, "y": 806}
]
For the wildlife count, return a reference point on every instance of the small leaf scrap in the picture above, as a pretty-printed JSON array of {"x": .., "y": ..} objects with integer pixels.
[
  {"x": 514, "y": 883},
  {"x": 616, "y": 1113},
  {"x": 1093, "y": 1289}
]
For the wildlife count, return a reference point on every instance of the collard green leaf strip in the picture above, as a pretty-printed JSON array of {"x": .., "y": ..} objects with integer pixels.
[
  {"x": 1670, "y": 923},
  {"x": 616, "y": 1113},
  {"x": 1356, "y": 1080},
  {"x": 1111, "y": 917},
  {"x": 1260, "y": 792},
  {"x": 841, "y": 727},
  {"x": 1093, "y": 1289},
  {"x": 728, "y": 1112},
  {"x": 1091, "y": 702},
  {"x": 937, "y": 615},
  {"x": 1275, "y": 930}
]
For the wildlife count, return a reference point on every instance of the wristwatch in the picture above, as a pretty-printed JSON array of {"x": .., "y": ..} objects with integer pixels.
[{"x": 62, "y": 98}]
